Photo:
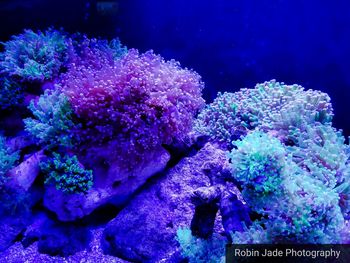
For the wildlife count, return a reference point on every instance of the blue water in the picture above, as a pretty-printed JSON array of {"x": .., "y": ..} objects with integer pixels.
[{"x": 232, "y": 44}]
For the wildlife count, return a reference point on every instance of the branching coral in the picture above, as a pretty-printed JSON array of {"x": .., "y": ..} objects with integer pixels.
[
  {"x": 7, "y": 160},
  {"x": 67, "y": 174},
  {"x": 53, "y": 121},
  {"x": 34, "y": 56},
  {"x": 140, "y": 99},
  {"x": 271, "y": 106},
  {"x": 11, "y": 93}
]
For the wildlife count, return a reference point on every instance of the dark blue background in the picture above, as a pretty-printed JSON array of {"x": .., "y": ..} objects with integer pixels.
[{"x": 231, "y": 43}]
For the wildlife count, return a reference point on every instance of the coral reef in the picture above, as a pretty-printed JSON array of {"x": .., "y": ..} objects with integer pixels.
[{"x": 120, "y": 146}]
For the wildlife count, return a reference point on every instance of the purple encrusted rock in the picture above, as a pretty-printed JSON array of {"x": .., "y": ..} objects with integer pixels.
[
  {"x": 145, "y": 230},
  {"x": 113, "y": 184},
  {"x": 26, "y": 172}
]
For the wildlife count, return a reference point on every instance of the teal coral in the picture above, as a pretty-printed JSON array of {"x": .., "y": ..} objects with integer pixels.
[
  {"x": 11, "y": 93},
  {"x": 258, "y": 164},
  {"x": 198, "y": 250},
  {"x": 34, "y": 56},
  {"x": 67, "y": 174},
  {"x": 53, "y": 120},
  {"x": 271, "y": 106},
  {"x": 7, "y": 160},
  {"x": 296, "y": 206}
]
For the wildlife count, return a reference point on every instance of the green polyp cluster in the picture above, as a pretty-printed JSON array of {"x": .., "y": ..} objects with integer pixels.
[
  {"x": 35, "y": 56},
  {"x": 296, "y": 205},
  {"x": 7, "y": 160},
  {"x": 67, "y": 174},
  {"x": 258, "y": 163}
]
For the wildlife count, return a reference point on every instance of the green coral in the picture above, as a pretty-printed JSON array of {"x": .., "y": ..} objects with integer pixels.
[
  {"x": 67, "y": 174},
  {"x": 255, "y": 234},
  {"x": 270, "y": 106},
  {"x": 53, "y": 122},
  {"x": 34, "y": 55},
  {"x": 7, "y": 160},
  {"x": 295, "y": 205},
  {"x": 198, "y": 250},
  {"x": 258, "y": 164},
  {"x": 11, "y": 93}
]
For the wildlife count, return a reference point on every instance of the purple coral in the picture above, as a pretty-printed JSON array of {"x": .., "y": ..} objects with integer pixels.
[{"x": 140, "y": 99}]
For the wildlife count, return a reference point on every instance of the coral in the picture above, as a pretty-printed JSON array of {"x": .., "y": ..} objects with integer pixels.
[
  {"x": 321, "y": 151},
  {"x": 258, "y": 164},
  {"x": 93, "y": 52},
  {"x": 53, "y": 123},
  {"x": 271, "y": 106},
  {"x": 255, "y": 234},
  {"x": 296, "y": 206},
  {"x": 308, "y": 213},
  {"x": 7, "y": 160},
  {"x": 67, "y": 174},
  {"x": 34, "y": 56},
  {"x": 201, "y": 250},
  {"x": 11, "y": 93},
  {"x": 140, "y": 99}
]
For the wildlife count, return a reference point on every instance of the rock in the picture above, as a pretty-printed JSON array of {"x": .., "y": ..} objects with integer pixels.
[
  {"x": 63, "y": 239},
  {"x": 145, "y": 230},
  {"x": 10, "y": 229},
  {"x": 14, "y": 215},
  {"x": 26, "y": 172},
  {"x": 112, "y": 184},
  {"x": 20, "y": 142},
  {"x": 206, "y": 201}
]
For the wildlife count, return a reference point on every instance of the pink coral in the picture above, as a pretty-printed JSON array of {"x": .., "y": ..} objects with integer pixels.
[{"x": 140, "y": 99}]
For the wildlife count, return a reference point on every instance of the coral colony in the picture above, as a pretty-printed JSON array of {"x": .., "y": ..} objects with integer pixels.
[{"x": 87, "y": 123}]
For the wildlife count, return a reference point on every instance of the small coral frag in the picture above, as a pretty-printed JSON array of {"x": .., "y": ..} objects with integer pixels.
[
  {"x": 7, "y": 161},
  {"x": 11, "y": 93},
  {"x": 67, "y": 174}
]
